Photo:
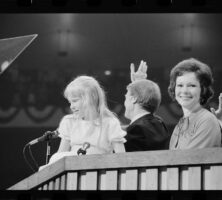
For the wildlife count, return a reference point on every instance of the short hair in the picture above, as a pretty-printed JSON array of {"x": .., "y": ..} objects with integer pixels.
[
  {"x": 91, "y": 93},
  {"x": 202, "y": 72},
  {"x": 147, "y": 93}
]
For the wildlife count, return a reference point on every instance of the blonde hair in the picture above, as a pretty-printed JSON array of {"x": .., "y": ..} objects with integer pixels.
[{"x": 91, "y": 93}]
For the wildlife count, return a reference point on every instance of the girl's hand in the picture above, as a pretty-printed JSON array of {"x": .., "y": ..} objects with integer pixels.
[
  {"x": 218, "y": 112},
  {"x": 43, "y": 166},
  {"x": 140, "y": 74}
]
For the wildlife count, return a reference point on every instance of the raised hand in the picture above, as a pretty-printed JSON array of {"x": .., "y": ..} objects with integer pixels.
[
  {"x": 140, "y": 73},
  {"x": 218, "y": 112}
]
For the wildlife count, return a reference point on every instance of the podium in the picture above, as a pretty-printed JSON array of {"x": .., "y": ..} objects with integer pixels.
[{"x": 195, "y": 169}]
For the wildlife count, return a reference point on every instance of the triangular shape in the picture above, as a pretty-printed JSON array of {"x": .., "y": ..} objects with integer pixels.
[{"x": 11, "y": 48}]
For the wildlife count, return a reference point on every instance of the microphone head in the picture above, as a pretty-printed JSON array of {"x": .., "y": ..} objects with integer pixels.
[
  {"x": 52, "y": 134},
  {"x": 55, "y": 134},
  {"x": 86, "y": 145},
  {"x": 48, "y": 135}
]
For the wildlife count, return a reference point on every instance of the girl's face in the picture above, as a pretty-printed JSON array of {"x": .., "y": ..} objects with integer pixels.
[
  {"x": 187, "y": 91},
  {"x": 76, "y": 105}
]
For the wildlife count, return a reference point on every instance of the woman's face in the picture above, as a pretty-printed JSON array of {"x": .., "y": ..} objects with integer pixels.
[{"x": 187, "y": 91}]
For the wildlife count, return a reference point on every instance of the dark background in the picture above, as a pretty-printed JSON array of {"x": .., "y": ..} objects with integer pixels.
[{"x": 100, "y": 45}]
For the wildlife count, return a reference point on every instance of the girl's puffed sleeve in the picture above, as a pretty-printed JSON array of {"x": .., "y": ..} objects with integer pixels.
[
  {"x": 115, "y": 132},
  {"x": 64, "y": 128}
]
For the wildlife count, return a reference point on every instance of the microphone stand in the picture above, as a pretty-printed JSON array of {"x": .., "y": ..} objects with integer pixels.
[
  {"x": 48, "y": 151},
  {"x": 48, "y": 147},
  {"x": 82, "y": 151}
]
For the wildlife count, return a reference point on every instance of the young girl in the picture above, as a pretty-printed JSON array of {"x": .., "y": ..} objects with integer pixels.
[{"x": 90, "y": 122}]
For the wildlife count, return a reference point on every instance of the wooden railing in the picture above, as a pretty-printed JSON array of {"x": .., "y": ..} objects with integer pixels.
[{"x": 197, "y": 169}]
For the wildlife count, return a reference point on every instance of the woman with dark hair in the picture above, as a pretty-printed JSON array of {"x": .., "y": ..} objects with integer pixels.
[{"x": 191, "y": 86}]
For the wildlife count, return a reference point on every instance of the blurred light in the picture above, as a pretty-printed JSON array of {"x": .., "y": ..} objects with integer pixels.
[
  {"x": 63, "y": 42},
  {"x": 4, "y": 66},
  {"x": 107, "y": 72},
  {"x": 190, "y": 16},
  {"x": 187, "y": 37},
  {"x": 66, "y": 20}
]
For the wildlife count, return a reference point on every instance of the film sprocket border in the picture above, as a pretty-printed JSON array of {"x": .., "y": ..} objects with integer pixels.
[{"x": 110, "y": 6}]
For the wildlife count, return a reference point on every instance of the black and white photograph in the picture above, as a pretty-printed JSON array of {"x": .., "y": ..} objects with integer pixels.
[{"x": 111, "y": 101}]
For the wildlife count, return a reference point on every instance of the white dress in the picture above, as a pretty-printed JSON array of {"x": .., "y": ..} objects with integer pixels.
[{"x": 100, "y": 135}]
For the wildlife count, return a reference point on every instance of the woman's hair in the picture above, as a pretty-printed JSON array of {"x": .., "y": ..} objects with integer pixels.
[
  {"x": 147, "y": 94},
  {"x": 202, "y": 72},
  {"x": 91, "y": 93}
]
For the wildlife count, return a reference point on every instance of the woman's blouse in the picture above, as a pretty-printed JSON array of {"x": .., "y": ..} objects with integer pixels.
[{"x": 199, "y": 130}]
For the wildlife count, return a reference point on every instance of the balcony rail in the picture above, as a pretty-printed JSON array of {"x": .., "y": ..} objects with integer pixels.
[{"x": 195, "y": 169}]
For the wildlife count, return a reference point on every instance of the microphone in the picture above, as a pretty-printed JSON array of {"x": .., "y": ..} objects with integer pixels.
[
  {"x": 48, "y": 135},
  {"x": 82, "y": 151}
]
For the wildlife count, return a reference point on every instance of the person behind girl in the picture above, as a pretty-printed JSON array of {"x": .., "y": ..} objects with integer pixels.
[
  {"x": 90, "y": 122},
  {"x": 191, "y": 86},
  {"x": 218, "y": 112}
]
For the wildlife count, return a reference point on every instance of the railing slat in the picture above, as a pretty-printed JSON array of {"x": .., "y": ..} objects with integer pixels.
[
  {"x": 194, "y": 178},
  {"x": 172, "y": 178},
  {"x": 149, "y": 179},
  {"x": 51, "y": 185},
  {"x": 131, "y": 179},
  {"x": 213, "y": 178},
  {"x": 108, "y": 180},
  {"x": 122, "y": 179},
  {"x": 190, "y": 178},
  {"x": 128, "y": 179},
  {"x": 82, "y": 181},
  {"x": 72, "y": 181},
  {"x": 63, "y": 182},
  {"x": 184, "y": 178},
  {"x": 45, "y": 186},
  {"x": 88, "y": 180},
  {"x": 57, "y": 183},
  {"x": 40, "y": 188},
  {"x": 163, "y": 178},
  {"x": 168, "y": 178}
]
